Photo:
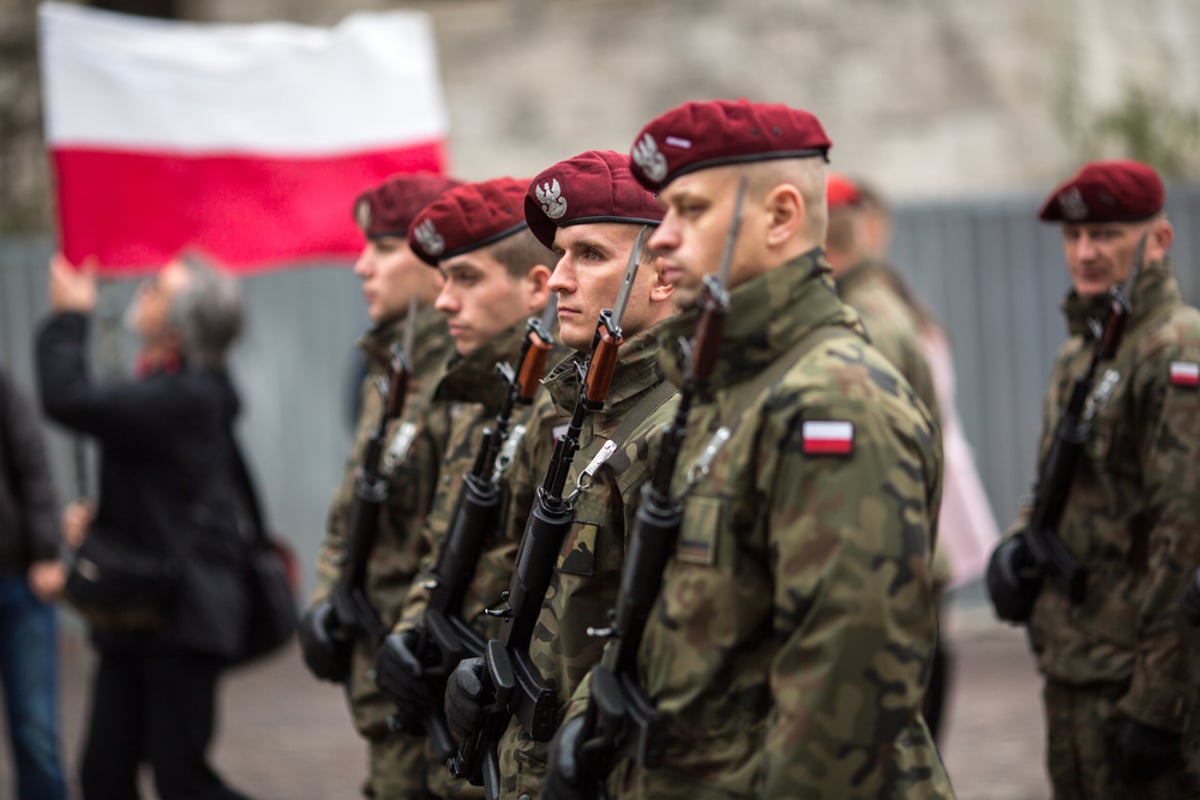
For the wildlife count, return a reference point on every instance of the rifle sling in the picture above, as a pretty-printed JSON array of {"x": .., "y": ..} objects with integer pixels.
[{"x": 650, "y": 402}]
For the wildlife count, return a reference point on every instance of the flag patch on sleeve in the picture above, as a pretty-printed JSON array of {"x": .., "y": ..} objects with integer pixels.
[
  {"x": 828, "y": 437},
  {"x": 1185, "y": 373}
]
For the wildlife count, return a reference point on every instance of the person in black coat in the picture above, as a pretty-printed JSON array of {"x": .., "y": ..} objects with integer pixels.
[
  {"x": 31, "y": 574},
  {"x": 166, "y": 491}
]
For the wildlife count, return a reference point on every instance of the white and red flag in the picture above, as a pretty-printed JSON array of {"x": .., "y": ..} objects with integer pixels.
[{"x": 248, "y": 142}]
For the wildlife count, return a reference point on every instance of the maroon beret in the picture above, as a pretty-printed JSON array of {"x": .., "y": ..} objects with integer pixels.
[
  {"x": 389, "y": 208},
  {"x": 467, "y": 218},
  {"x": 596, "y": 186},
  {"x": 700, "y": 135},
  {"x": 840, "y": 191},
  {"x": 1106, "y": 191}
]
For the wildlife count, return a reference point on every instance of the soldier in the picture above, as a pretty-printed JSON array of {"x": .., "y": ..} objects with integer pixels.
[
  {"x": 495, "y": 273},
  {"x": 868, "y": 285},
  {"x": 1121, "y": 678},
  {"x": 391, "y": 277},
  {"x": 589, "y": 209},
  {"x": 792, "y": 635}
]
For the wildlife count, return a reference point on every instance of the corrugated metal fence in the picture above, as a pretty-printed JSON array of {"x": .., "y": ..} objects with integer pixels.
[{"x": 990, "y": 273}]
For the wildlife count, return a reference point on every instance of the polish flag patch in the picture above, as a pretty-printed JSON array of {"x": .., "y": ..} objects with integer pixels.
[
  {"x": 828, "y": 437},
  {"x": 1185, "y": 373}
]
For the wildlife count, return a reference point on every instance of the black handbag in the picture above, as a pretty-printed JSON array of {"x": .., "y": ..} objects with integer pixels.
[
  {"x": 114, "y": 584},
  {"x": 272, "y": 576}
]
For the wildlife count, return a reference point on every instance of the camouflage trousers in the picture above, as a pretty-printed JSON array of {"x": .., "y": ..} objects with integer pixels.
[
  {"x": 395, "y": 761},
  {"x": 1080, "y": 725},
  {"x": 522, "y": 764}
]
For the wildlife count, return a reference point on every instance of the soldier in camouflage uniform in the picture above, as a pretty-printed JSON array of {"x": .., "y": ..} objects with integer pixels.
[
  {"x": 495, "y": 275},
  {"x": 589, "y": 209},
  {"x": 1120, "y": 668},
  {"x": 391, "y": 276},
  {"x": 792, "y": 635},
  {"x": 865, "y": 283}
]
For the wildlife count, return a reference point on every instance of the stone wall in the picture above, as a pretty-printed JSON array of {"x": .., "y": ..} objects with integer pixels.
[{"x": 928, "y": 97}]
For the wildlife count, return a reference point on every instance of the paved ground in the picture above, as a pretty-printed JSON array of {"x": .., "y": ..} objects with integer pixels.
[{"x": 285, "y": 736}]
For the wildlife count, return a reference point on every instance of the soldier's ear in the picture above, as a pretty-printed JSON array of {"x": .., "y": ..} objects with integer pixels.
[
  {"x": 785, "y": 212},
  {"x": 1159, "y": 241},
  {"x": 538, "y": 280}
]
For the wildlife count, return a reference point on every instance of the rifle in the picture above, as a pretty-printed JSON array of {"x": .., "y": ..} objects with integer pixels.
[
  {"x": 445, "y": 637},
  {"x": 619, "y": 718},
  {"x": 516, "y": 686},
  {"x": 352, "y": 609},
  {"x": 1050, "y": 556}
]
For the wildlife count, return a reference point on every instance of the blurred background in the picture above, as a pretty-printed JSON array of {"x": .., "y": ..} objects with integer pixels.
[{"x": 963, "y": 113}]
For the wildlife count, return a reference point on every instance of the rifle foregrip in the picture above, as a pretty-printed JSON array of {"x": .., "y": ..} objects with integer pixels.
[
  {"x": 707, "y": 340},
  {"x": 532, "y": 368},
  {"x": 600, "y": 370}
]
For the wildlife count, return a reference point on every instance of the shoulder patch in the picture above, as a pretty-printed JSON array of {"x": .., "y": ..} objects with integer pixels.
[
  {"x": 827, "y": 438},
  {"x": 1185, "y": 373}
]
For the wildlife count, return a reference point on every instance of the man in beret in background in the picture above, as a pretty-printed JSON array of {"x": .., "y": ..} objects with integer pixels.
[
  {"x": 871, "y": 287},
  {"x": 494, "y": 275},
  {"x": 589, "y": 209},
  {"x": 392, "y": 276},
  {"x": 1120, "y": 665},
  {"x": 791, "y": 639}
]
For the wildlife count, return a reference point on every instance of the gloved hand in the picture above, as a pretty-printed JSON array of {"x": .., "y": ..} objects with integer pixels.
[
  {"x": 1191, "y": 601},
  {"x": 1012, "y": 580},
  {"x": 325, "y": 647},
  {"x": 562, "y": 765},
  {"x": 1141, "y": 753},
  {"x": 398, "y": 675},
  {"x": 464, "y": 698}
]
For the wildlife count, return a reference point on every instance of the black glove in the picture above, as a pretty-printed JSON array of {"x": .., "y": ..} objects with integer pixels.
[
  {"x": 1012, "y": 580},
  {"x": 1191, "y": 601},
  {"x": 1141, "y": 753},
  {"x": 464, "y": 698},
  {"x": 562, "y": 765},
  {"x": 326, "y": 648},
  {"x": 398, "y": 675}
]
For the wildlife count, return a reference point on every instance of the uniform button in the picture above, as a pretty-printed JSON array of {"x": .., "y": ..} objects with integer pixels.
[
  {"x": 523, "y": 797},
  {"x": 370, "y": 673}
]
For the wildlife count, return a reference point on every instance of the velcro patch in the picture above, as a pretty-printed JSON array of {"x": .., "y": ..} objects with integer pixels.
[
  {"x": 1185, "y": 373},
  {"x": 827, "y": 438}
]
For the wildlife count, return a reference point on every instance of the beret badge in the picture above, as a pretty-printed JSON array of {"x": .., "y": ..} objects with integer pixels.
[
  {"x": 549, "y": 195},
  {"x": 647, "y": 156},
  {"x": 1072, "y": 204},
  {"x": 428, "y": 237},
  {"x": 362, "y": 213}
]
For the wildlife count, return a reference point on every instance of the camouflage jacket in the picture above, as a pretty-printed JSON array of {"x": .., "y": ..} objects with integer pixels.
[
  {"x": 1133, "y": 512},
  {"x": 411, "y": 477},
  {"x": 473, "y": 393},
  {"x": 584, "y": 585},
  {"x": 895, "y": 332},
  {"x": 792, "y": 636}
]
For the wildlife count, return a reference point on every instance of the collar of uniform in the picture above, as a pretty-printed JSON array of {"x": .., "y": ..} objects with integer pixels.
[
  {"x": 474, "y": 378},
  {"x": 856, "y": 273},
  {"x": 430, "y": 340},
  {"x": 767, "y": 316},
  {"x": 637, "y": 370},
  {"x": 1154, "y": 286}
]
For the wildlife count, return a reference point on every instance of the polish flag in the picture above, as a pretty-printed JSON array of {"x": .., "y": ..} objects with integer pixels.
[
  {"x": 1185, "y": 373},
  {"x": 828, "y": 437},
  {"x": 247, "y": 142}
]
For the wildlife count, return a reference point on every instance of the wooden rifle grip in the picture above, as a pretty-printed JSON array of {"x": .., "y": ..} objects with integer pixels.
[
  {"x": 532, "y": 367},
  {"x": 603, "y": 365}
]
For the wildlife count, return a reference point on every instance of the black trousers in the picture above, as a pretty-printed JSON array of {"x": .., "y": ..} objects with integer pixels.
[{"x": 157, "y": 708}]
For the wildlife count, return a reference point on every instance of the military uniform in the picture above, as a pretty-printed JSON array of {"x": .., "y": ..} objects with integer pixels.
[
  {"x": 791, "y": 639},
  {"x": 584, "y": 585},
  {"x": 411, "y": 461},
  {"x": 1132, "y": 519},
  {"x": 470, "y": 395}
]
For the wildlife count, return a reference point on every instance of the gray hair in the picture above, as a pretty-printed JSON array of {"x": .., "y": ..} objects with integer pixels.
[{"x": 208, "y": 314}]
